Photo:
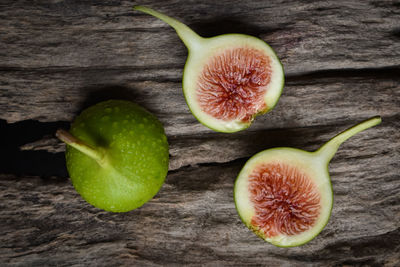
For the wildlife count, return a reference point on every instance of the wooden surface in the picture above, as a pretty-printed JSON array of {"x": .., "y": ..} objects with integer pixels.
[{"x": 342, "y": 64}]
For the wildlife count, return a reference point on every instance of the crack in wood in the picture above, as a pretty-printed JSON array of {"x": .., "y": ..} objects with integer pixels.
[
  {"x": 383, "y": 72},
  {"x": 42, "y": 154},
  {"x": 342, "y": 65}
]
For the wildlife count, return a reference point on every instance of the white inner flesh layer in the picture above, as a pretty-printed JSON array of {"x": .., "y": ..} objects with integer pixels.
[
  {"x": 202, "y": 54},
  {"x": 309, "y": 164}
]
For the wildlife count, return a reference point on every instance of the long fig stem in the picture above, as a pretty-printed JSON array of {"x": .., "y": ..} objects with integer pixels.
[
  {"x": 328, "y": 150},
  {"x": 187, "y": 35},
  {"x": 71, "y": 140}
]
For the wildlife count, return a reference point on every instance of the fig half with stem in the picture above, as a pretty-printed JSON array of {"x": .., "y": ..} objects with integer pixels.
[
  {"x": 228, "y": 79},
  {"x": 285, "y": 194}
]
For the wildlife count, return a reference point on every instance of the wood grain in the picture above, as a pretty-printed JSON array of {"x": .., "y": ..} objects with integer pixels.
[
  {"x": 307, "y": 101},
  {"x": 201, "y": 149},
  {"x": 57, "y": 57},
  {"x": 104, "y": 34},
  {"x": 193, "y": 221}
]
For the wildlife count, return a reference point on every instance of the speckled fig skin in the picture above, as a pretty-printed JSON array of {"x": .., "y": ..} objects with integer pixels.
[{"x": 135, "y": 150}]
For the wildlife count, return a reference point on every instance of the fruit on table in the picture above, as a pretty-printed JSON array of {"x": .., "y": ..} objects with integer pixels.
[
  {"x": 117, "y": 155},
  {"x": 285, "y": 195},
  {"x": 228, "y": 79}
]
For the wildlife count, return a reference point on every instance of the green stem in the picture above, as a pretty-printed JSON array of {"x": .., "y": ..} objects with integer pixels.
[
  {"x": 71, "y": 140},
  {"x": 328, "y": 150},
  {"x": 191, "y": 39}
]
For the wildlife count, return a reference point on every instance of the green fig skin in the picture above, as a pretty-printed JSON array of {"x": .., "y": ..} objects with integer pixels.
[{"x": 134, "y": 156}]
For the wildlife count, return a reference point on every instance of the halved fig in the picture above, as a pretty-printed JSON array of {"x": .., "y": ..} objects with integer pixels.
[
  {"x": 228, "y": 79},
  {"x": 285, "y": 194}
]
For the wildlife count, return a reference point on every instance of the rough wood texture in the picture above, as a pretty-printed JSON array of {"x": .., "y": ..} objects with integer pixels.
[{"x": 58, "y": 57}]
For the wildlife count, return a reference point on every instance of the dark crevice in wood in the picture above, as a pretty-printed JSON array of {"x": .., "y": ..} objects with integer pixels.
[
  {"x": 363, "y": 249},
  {"x": 46, "y": 164},
  {"x": 392, "y": 72},
  {"x": 396, "y": 33},
  {"x": 60, "y": 69},
  {"x": 169, "y": 73},
  {"x": 38, "y": 163},
  {"x": 211, "y": 28},
  {"x": 389, "y": 72},
  {"x": 267, "y": 132},
  {"x": 227, "y": 25},
  {"x": 152, "y": 30}
]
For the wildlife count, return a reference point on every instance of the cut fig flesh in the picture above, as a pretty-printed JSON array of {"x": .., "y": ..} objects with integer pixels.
[
  {"x": 280, "y": 192},
  {"x": 285, "y": 194},
  {"x": 228, "y": 79}
]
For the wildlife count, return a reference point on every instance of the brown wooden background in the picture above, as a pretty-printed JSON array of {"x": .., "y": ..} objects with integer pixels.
[{"x": 342, "y": 64}]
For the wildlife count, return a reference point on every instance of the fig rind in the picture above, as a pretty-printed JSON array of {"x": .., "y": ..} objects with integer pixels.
[
  {"x": 202, "y": 56},
  {"x": 201, "y": 51},
  {"x": 306, "y": 163},
  {"x": 313, "y": 165}
]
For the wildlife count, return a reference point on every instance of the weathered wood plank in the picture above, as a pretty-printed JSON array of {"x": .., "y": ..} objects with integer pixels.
[
  {"x": 307, "y": 36},
  {"x": 306, "y": 101},
  {"x": 193, "y": 221},
  {"x": 57, "y": 57}
]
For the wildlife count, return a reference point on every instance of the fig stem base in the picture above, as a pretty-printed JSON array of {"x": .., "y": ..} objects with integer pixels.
[
  {"x": 78, "y": 144},
  {"x": 329, "y": 149}
]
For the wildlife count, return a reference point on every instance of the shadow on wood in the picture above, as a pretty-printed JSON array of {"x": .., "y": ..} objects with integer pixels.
[
  {"x": 38, "y": 163},
  {"x": 95, "y": 95},
  {"x": 211, "y": 28}
]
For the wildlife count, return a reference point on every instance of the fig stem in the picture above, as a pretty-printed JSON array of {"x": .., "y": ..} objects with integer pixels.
[
  {"x": 328, "y": 150},
  {"x": 187, "y": 35},
  {"x": 78, "y": 144}
]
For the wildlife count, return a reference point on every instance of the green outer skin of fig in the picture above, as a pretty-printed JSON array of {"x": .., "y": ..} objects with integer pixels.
[
  {"x": 192, "y": 39},
  {"x": 245, "y": 126},
  {"x": 260, "y": 235},
  {"x": 129, "y": 179},
  {"x": 316, "y": 164}
]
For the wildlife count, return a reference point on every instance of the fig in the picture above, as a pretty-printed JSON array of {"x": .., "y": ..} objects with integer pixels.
[
  {"x": 117, "y": 155},
  {"x": 228, "y": 79},
  {"x": 284, "y": 195}
]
